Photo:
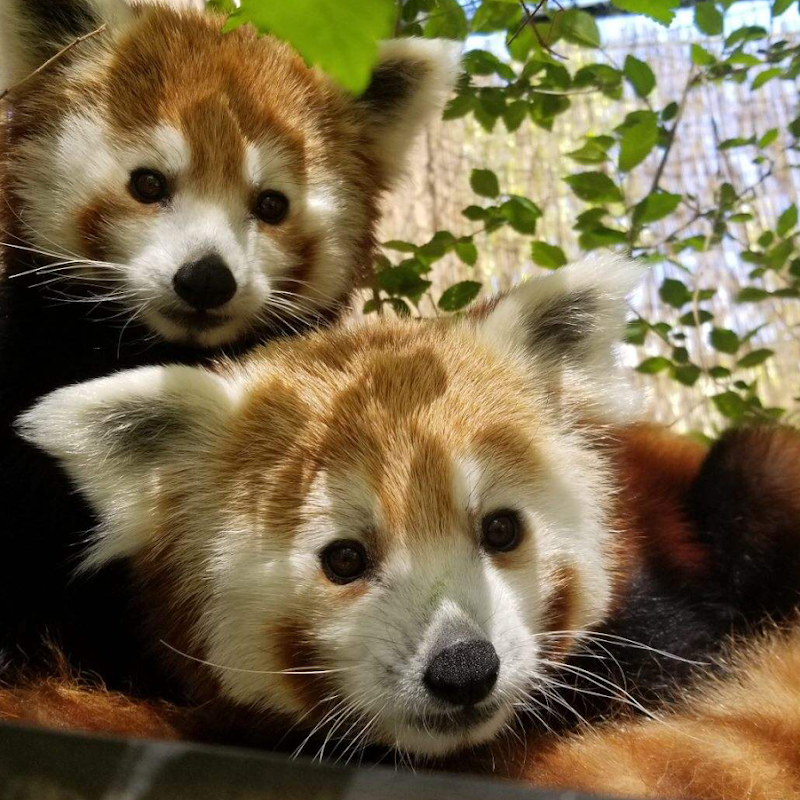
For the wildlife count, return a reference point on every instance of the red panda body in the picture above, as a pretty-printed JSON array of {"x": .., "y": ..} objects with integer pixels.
[
  {"x": 169, "y": 192},
  {"x": 428, "y": 537}
]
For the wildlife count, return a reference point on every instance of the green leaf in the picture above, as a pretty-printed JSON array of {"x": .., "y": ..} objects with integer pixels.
[
  {"x": 484, "y": 182},
  {"x": 636, "y": 331},
  {"x": 340, "y": 36},
  {"x": 496, "y": 15},
  {"x": 440, "y": 244},
  {"x": 475, "y": 213},
  {"x": 674, "y": 293},
  {"x": 780, "y": 6},
  {"x": 727, "y": 195},
  {"x": 724, "y": 340},
  {"x": 707, "y": 18},
  {"x": 736, "y": 141},
  {"x": 687, "y": 374},
  {"x": 655, "y": 206},
  {"x": 590, "y": 153},
  {"x": 747, "y": 33},
  {"x": 459, "y": 106},
  {"x": 778, "y": 255},
  {"x": 549, "y": 256},
  {"x": 492, "y": 100},
  {"x": 403, "y": 247},
  {"x": 669, "y": 111},
  {"x": 755, "y": 358},
  {"x": 579, "y": 28},
  {"x": 719, "y": 373},
  {"x": 729, "y": 404},
  {"x": 659, "y": 10},
  {"x": 766, "y": 76},
  {"x": 744, "y": 59},
  {"x": 651, "y": 366},
  {"x": 370, "y": 307},
  {"x": 515, "y": 115},
  {"x": 637, "y": 142},
  {"x": 467, "y": 252},
  {"x": 447, "y": 21},
  {"x": 639, "y": 75},
  {"x": 752, "y": 294},
  {"x": 521, "y": 213},
  {"x": 459, "y": 295},
  {"x": 594, "y": 187},
  {"x": 787, "y": 220},
  {"x": 701, "y": 57},
  {"x": 589, "y": 219},
  {"x": 768, "y": 138},
  {"x": 601, "y": 236},
  {"x": 522, "y": 44},
  {"x": 400, "y": 307},
  {"x": 481, "y": 62},
  {"x": 688, "y": 319},
  {"x": 402, "y": 280},
  {"x": 680, "y": 355}
]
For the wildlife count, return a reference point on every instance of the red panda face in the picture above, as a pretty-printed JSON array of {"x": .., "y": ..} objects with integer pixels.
[
  {"x": 389, "y": 533},
  {"x": 210, "y": 184}
]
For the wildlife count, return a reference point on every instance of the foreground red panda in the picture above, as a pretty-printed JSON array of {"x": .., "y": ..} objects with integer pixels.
[
  {"x": 729, "y": 738},
  {"x": 426, "y": 536},
  {"x": 168, "y": 192}
]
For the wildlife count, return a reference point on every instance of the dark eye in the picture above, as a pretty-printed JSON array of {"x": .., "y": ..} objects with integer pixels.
[
  {"x": 344, "y": 561},
  {"x": 501, "y": 531},
  {"x": 271, "y": 207},
  {"x": 148, "y": 186}
]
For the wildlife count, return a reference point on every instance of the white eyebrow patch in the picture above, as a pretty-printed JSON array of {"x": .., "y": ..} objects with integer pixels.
[
  {"x": 467, "y": 472},
  {"x": 269, "y": 165},
  {"x": 82, "y": 153},
  {"x": 163, "y": 147}
]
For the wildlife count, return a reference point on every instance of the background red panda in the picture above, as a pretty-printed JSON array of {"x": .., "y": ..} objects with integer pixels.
[
  {"x": 169, "y": 192},
  {"x": 428, "y": 537}
]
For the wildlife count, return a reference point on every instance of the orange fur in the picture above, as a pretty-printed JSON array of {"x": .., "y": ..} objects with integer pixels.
[{"x": 731, "y": 739}]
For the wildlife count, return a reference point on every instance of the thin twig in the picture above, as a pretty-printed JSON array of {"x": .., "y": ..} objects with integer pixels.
[
  {"x": 50, "y": 60},
  {"x": 681, "y": 106},
  {"x": 635, "y": 230}
]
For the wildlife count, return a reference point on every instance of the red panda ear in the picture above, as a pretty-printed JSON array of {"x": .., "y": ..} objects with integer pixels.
[
  {"x": 566, "y": 324},
  {"x": 117, "y": 437},
  {"x": 31, "y": 31},
  {"x": 410, "y": 85}
]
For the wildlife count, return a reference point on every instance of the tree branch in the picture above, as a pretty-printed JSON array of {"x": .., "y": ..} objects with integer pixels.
[{"x": 52, "y": 59}]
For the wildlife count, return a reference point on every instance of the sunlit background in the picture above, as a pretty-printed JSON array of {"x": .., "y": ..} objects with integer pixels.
[{"x": 531, "y": 162}]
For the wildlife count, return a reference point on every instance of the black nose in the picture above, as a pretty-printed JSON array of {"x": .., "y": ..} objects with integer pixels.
[
  {"x": 463, "y": 673},
  {"x": 205, "y": 283}
]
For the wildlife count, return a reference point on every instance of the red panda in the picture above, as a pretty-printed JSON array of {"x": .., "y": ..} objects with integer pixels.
[
  {"x": 429, "y": 537},
  {"x": 730, "y": 737},
  {"x": 169, "y": 192}
]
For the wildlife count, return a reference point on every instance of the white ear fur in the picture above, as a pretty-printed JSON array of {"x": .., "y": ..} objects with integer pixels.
[
  {"x": 410, "y": 85},
  {"x": 115, "y": 437},
  {"x": 31, "y": 31},
  {"x": 567, "y": 324}
]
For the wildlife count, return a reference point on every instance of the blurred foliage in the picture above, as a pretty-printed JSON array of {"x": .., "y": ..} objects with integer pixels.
[{"x": 532, "y": 87}]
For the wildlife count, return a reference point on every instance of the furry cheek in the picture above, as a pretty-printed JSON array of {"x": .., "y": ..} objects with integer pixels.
[{"x": 102, "y": 223}]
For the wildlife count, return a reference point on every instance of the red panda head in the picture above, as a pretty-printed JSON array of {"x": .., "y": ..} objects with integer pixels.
[
  {"x": 386, "y": 530},
  {"x": 211, "y": 184}
]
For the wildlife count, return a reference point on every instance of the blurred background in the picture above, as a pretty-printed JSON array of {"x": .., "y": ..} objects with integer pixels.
[{"x": 531, "y": 162}]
